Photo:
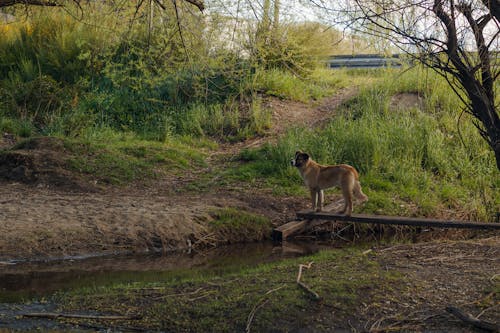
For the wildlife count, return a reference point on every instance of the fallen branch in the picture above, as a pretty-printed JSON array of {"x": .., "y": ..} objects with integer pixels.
[
  {"x": 252, "y": 313},
  {"x": 303, "y": 285},
  {"x": 469, "y": 319},
  {"x": 54, "y": 315},
  {"x": 260, "y": 304}
]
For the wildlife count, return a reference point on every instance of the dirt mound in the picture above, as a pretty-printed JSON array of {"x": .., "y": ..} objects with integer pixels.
[
  {"x": 406, "y": 101},
  {"x": 41, "y": 161}
]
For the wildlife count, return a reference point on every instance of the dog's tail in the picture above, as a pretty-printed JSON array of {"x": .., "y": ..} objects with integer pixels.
[{"x": 358, "y": 193}]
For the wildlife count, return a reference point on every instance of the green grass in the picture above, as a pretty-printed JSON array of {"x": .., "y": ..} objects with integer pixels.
[
  {"x": 223, "y": 302},
  {"x": 411, "y": 161},
  {"x": 239, "y": 225},
  {"x": 320, "y": 83},
  {"x": 122, "y": 158}
]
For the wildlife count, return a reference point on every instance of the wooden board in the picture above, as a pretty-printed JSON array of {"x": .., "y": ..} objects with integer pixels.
[
  {"x": 282, "y": 232},
  {"x": 398, "y": 220}
]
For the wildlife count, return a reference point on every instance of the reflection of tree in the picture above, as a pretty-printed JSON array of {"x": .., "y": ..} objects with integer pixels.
[{"x": 458, "y": 39}]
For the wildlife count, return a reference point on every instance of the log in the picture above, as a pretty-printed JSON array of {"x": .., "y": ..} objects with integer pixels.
[
  {"x": 54, "y": 315},
  {"x": 469, "y": 319},
  {"x": 397, "y": 220}
]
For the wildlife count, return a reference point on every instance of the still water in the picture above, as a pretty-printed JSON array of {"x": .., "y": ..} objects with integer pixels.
[{"x": 26, "y": 280}]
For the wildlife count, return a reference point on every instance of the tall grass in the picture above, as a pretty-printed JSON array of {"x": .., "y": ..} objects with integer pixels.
[{"x": 413, "y": 161}]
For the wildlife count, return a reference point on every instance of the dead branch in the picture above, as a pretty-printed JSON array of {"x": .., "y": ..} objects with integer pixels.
[
  {"x": 257, "y": 306},
  {"x": 469, "y": 319},
  {"x": 54, "y": 315},
  {"x": 303, "y": 285},
  {"x": 252, "y": 313}
]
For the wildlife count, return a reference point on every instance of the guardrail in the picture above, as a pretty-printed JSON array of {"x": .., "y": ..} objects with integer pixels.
[{"x": 364, "y": 61}]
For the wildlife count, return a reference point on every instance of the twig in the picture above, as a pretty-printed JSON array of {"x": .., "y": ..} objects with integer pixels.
[
  {"x": 469, "y": 319},
  {"x": 275, "y": 289},
  {"x": 257, "y": 306},
  {"x": 54, "y": 315},
  {"x": 252, "y": 313},
  {"x": 305, "y": 287}
]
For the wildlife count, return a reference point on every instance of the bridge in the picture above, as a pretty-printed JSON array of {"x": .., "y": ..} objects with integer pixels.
[{"x": 306, "y": 220}]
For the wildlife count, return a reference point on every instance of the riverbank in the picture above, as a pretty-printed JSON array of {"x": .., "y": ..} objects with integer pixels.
[{"x": 401, "y": 288}]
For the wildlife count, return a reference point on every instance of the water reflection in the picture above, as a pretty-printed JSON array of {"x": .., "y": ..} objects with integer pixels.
[{"x": 27, "y": 280}]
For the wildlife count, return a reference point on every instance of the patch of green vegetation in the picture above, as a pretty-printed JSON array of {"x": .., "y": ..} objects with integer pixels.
[
  {"x": 287, "y": 85},
  {"x": 126, "y": 158},
  {"x": 223, "y": 303},
  {"x": 239, "y": 225}
]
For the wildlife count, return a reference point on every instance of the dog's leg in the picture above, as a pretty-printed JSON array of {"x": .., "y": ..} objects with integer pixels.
[
  {"x": 321, "y": 199},
  {"x": 314, "y": 199},
  {"x": 347, "y": 188}
]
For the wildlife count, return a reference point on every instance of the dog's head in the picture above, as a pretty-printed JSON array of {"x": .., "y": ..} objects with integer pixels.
[{"x": 300, "y": 159}]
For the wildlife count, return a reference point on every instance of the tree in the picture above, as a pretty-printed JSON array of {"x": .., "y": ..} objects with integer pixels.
[
  {"x": 459, "y": 39},
  {"x": 59, "y": 3}
]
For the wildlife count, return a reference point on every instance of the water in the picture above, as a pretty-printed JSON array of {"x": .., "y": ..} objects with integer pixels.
[{"x": 23, "y": 281}]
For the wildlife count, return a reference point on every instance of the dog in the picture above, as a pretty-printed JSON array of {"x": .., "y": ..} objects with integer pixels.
[{"x": 318, "y": 177}]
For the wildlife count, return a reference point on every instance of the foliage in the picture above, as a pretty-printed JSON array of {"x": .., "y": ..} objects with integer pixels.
[
  {"x": 118, "y": 158},
  {"x": 67, "y": 76}
]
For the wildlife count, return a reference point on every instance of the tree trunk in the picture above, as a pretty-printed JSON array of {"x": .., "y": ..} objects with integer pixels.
[
  {"x": 276, "y": 21},
  {"x": 483, "y": 109}
]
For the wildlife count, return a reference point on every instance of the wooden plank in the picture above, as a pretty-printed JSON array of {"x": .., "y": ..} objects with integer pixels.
[
  {"x": 282, "y": 232},
  {"x": 397, "y": 220}
]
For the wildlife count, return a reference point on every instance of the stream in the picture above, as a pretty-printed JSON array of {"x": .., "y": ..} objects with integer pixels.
[
  {"x": 23, "y": 281},
  {"x": 26, "y": 286}
]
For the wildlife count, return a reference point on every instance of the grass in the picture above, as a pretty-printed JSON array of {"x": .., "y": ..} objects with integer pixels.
[
  {"x": 223, "y": 302},
  {"x": 239, "y": 226},
  {"x": 127, "y": 158},
  {"x": 415, "y": 162}
]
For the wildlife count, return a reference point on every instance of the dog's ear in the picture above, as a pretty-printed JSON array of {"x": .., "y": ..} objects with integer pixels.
[{"x": 306, "y": 156}]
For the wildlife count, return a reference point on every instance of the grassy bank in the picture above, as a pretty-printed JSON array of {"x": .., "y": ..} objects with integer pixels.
[{"x": 424, "y": 158}]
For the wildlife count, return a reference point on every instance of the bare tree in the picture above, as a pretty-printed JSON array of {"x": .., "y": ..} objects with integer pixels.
[
  {"x": 60, "y": 3},
  {"x": 459, "y": 39}
]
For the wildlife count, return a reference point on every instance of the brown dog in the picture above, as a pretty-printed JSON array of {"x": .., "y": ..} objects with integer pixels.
[{"x": 318, "y": 177}]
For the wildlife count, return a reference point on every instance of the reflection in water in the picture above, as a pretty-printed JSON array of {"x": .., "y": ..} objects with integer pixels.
[{"x": 28, "y": 280}]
